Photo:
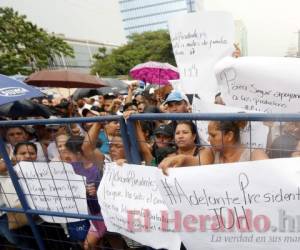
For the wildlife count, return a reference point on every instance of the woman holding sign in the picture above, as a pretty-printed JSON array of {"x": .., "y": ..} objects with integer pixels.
[
  {"x": 14, "y": 226},
  {"x": 188, "y": 153}
]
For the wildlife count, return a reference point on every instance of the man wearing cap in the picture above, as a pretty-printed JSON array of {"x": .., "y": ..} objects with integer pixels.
[
  {"x": 163, "y": 136},
  {"x": 163, "y": 142},
  {"x": 177, "y": 102},
  {"x": 88, "y": 111},
  {"x": 163, "y": 139}
]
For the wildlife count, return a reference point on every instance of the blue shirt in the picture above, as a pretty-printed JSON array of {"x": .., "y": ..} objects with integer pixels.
[{"x": 105, "y": 143}]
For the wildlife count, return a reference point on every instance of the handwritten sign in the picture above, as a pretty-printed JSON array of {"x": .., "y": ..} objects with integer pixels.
[
  {"x": 199, "y": 40},
  {"x": 249, "y": 205},
  {"x": 132, "y": 205},
  {"x": 53, "y": 187},
  {"x": 254, "y": 134},
  {"x": 259, "y": 83}
]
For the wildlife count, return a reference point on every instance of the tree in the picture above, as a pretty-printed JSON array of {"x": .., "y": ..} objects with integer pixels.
[
  {"x": 147, "y": 46},
  {"x": 24, "y": 47}
]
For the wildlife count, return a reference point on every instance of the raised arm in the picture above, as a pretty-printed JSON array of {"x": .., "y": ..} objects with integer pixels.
[
  {"x": 89, "y": 145},
  {"x": 143, "y": 145}
]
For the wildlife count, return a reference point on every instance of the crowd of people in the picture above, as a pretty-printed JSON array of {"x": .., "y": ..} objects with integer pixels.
[{"x": 89, "y": 146}]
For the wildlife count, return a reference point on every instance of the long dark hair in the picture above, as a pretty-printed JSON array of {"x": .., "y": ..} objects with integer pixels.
[
  {"x": 74, "y": 144},
  {"x": 232, "y": 126}
]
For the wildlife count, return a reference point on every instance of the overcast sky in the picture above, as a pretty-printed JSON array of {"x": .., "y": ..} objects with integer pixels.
[
  {"x": 271, "y": 24},
  {"x": 97, "y": 20}
]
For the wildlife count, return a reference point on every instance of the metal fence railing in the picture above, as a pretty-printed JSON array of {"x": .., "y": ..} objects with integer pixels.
[{"x": 132, "y": 152}]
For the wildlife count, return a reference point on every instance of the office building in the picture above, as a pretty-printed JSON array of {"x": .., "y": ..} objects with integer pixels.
[{"x": 149, "y": 15}]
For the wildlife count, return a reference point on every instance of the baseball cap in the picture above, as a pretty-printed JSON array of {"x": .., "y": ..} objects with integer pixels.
[
  {"x": 53, "y": 126},
  {"x": 87, "y": 108},
  {"x": 110, "y": 95},
  {"x": 176, "y": 96},
  {"x": 164, "y": 130}
]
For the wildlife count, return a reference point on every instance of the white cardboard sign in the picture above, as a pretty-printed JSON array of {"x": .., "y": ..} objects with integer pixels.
[
  {"x": 199, "y": 40},
  {"x": 53, "y": 187},
  {"x": 265, "y": 84},
  {"x": 131, "y": 205},
  {"x": 245, "y": 205}
]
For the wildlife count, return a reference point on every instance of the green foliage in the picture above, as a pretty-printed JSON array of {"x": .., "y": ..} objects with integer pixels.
[
  {"x": 24, "y": 47},
  {"x": 148, "y": 46}
]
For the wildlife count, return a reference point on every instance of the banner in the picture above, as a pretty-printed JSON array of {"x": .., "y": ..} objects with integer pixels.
[
  {"x": 53, "y": 187},
  {"x": 257, "y": 138},
  {"x": 244, "y": 205},
  {"x": 200, "y": 40},
  {"x": 132, "y": 205},
  {"x": 265, "y": 84}
]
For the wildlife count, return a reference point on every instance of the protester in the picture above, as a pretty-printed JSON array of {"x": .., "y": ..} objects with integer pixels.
[
  {"x": 111, "y": 128},
  {"x": 14, "y": 226},
  {"x": 225, "y": 141},
  {"x": 14, "y": 135},
  {"x": 88, "y": 111},
  {"x": 160, "y": 143},
  {"x": 57, "y": 150},
  {"x": 177, "y": 102},
  {"x": 163, "y": 137},
  {"x": 224, "y": 137},
  {"x": 108, "y": 102},
  {"x": 88, "y": 161}
]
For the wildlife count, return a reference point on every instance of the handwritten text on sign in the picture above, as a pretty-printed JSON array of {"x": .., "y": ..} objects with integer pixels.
[
  {"x": 53, "y": 187},
  {"x": 199, "y": 40},
  {"x": 259, "y": 83},
  {"x": 231, "y": 203},
  {"x": 132, "y": 205}
]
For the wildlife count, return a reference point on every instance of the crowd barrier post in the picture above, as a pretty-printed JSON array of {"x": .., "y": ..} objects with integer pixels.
[{"x": 21, "y": 195}]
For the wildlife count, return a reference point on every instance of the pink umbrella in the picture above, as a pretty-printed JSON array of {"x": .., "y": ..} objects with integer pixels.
[{"x": 155, "y": 72}]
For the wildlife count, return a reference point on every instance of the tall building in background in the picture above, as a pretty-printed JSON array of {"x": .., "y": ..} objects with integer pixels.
[
  {"x": 241, "y": 36},
  {"x": 149, "y": 15}
]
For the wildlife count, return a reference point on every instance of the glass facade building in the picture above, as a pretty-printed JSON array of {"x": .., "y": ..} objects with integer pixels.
[{"x": 149, "y": 15}]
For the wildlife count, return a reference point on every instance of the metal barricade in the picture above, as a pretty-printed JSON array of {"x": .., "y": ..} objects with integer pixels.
[
  {"x": 25, "y": 209},
  {"x": 260, "y": 117},
  {"x": 131, "y": 151}
]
